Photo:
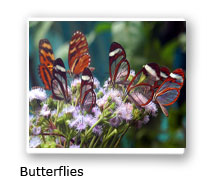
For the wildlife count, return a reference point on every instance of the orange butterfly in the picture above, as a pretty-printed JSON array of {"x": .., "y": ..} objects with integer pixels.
[
  {"x": 78, "y": 54},
  {"x": 46, "y": 62}
]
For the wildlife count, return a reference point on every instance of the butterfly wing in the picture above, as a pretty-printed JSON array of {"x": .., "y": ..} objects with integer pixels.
[
  {"x": 80, "y": 63},
  {"x": 86, "y": 82},
  {"x": 46, "y": 62},
  {"x": 174, "y": 80},
  {"x": 45, "y": 76},
  {"x": 89, "y": 100},
  {"x": 177, "y": 77},
  {"x": 119, "y": 68},
  {"x": 87, "y": 95},
  {"x": 164, "y": 73},
  {"x": 122, "y": 72},
  {"x": 78, "y": 55},
  {"x": 149, "y": 74},
  {"x": 152, "y": 71},
  {"x": 46, "y": 54},
  {"x": 167, "y": 97},
  {"x": 141, "y": 94},
  {"x": 164, "y": 110},
  {"x": 169, "y": 90},
  {"x": 59, "y": 81}
]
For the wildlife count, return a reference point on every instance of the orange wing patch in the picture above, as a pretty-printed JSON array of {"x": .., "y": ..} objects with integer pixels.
[
  {"x": 46, "y": 54},
  {"x": 81, "y": 63},
  {"x": 45, "y": 76},
  {"x": 78, "y": 57},
  {"x": 47, "y": 59}
]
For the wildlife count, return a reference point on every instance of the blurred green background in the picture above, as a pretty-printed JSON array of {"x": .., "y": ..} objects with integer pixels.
[{"x": 163, "y": 42}]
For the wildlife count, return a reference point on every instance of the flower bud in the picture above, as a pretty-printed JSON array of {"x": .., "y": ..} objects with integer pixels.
[
  {"x": 52, "y": 104},
  {"x": 109, "y": 99},
  {"x": 60, "y": 120},
  {"x": 136, "y": 114},
  {"x": 99, "y": 95},
  {"x": 113, "y": 106}
]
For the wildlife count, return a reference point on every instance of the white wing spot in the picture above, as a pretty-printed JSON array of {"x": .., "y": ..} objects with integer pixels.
[
  {"x": 151, "y": 71},
  {"x": 85, "y": 78},
  {"x": 176, "y": 76},
  {"x": 60, "y": 68},
  {"x": 163, "y": 75},
  {"x": 112, "y": 53}
]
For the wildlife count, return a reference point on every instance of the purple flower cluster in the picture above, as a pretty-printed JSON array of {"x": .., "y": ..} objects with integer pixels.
[
  {"x": 45, "y": 111},
  {"x": 125, "y": 111},
  {"x": 34, "y": 142},
  {"x": 36, "y": 130},
  {"x": 112, "y": 111},
  {"x": 38, "y": 94},
  {"x": 115, "y": 95},
  {"x": 80, "y": 122}
]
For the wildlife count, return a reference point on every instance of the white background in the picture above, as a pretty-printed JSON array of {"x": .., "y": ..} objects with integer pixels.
[{"x": 101, "y": 170}]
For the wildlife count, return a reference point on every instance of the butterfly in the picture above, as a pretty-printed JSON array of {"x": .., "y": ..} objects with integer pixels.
[
  {"x": 169, "y": 91},
  {"x": 59, "y": 82},
  {"x": 119, "y": 68},
  {"x": 87, "y": 94},
  {"x": 141, "y": 88},
  {"x": 47, "y": 59},
  {"x": 78, "y": 54}
]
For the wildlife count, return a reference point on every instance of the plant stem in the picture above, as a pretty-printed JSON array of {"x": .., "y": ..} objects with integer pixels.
[
  {"x": 58, "y": 111},
  {"x": 109, "y": 136},
  {"x": 117, "y": 143},
  {"x": 96, "y": 141},
  {"x": 43, "y": 138},
  {"x": 92, "y": 141},
  {"x": 125, "y": 99},
  {"x": 113, "y": 141},
  {"x": 77, "y": 100},
  {"x": 90, "y": 130}
]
